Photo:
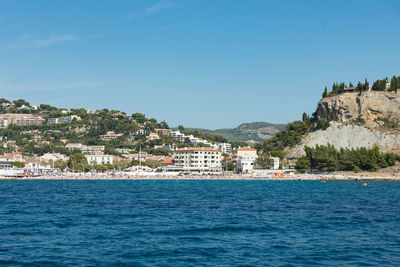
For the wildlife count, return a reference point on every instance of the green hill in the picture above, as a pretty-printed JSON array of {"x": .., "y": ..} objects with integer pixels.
[{"x": 249, "y": 132}]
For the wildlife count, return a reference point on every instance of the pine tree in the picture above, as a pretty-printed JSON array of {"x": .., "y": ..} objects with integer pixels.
[
  {"x": 366, "y": 85},
  {"x": 397, "y": 83},
  {"x": 351, "y": 85},
  {"x": 325, "y": 93},
  {"x": 341, "y": 88},
  {"x": 334, "y": 89},
  {"x": 359, "y": 86},
  {"x": 393, "y": 84}
]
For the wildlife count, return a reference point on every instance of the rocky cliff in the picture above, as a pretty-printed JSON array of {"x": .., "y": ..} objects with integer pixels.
[
  {"x": 353, "y": 122},
  {"x": 348, "y": 136},
  {"x": 349, "y": 107}
]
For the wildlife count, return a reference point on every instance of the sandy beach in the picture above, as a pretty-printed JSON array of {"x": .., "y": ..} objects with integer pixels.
[{"x": 305, "y": 177}]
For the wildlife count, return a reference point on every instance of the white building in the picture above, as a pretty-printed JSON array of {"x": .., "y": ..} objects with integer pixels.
[
  {"x": 276, "y": 163},
  {"x": 246, "y": 163},
  {"x": 225, "y": 148},
  {"x": 93, "y": 150},
  {"x": 86, "y": 149},
  {"x": 65, "y": 119},
  {"x": 194, "y": 140},
  {"x": 99, "y": 159},
  {"x": 178, "y": 136},
  {"x": 110, "y": 135},
  {"x": 153, "y": 136},
  {"x": 165, "y": 132},
  {"x": 91, "y": 111},
  {"x": 53, "y": 157},
  {"x": 3, "y": 123},
  {"x": 73, "y": 146},
  {"x": 29, "y": 121},
  {"x": 198, "y": 158}
]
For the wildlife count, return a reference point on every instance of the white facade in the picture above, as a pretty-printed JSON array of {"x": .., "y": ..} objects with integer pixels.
[
  {"x": 53, "y": 157},
  {"x": 197, "y": 157},
  {"x": 225, "y": 148},
  {"x": 153, "y": 136},
  {"x": 276, "y": 163},
  {"x": 29, "y": 121},
  {"x": 92, "y": 149},
  {"x": 110, "y": 135},
  {"x": 246, "y": 163},
  {"x": 178, "y": 136},
  {"x": 65, "y": 119},
  {"x": 3, "y": 123},
  {"x": 99, "y": 159},
  {"x": 86, "y": 149},
  {"x": 74, "y": 146}
]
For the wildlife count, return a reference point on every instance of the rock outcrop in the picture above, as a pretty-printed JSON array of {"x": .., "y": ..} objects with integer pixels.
[
  {"x": 347, "y": 136},
  {"x": 352, "y": 122},
  {"x": 349, "y": 107}
]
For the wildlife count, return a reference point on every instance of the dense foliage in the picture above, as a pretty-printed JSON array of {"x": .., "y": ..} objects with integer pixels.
[
  {"x": 293, "y": 133},
  {"x": 378, "y": 85},
  {"x": 328, "y": 158}
]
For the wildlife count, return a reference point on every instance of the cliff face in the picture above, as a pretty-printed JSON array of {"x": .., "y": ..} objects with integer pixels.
[
  {"x": 348, "y": 107},
  {"x": 347, "y": 136},
  {"x": 343, "y": 110}
]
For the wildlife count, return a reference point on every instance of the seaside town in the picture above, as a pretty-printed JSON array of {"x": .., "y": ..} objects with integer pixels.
[{"x": 47, "y": 142}]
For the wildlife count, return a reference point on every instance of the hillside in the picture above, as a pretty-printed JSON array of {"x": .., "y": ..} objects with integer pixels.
[
  {"x": 356, "y": 120},
  {"x": 248, "y": 132}
]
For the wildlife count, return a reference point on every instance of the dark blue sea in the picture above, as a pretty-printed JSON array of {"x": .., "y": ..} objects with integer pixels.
[{"x": 199, "y": 223}]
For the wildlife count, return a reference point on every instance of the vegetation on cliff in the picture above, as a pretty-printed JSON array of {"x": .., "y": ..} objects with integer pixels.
[
  {"x": 292, "y": 134},
  {"x": 378, "y": 85},
  {"x": 328, "y": 158}
]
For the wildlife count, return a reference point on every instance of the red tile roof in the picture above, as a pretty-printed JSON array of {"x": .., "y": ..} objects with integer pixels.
[
  {"x": 197, "y": 149},
  {"x": 166, "y": 161},
  {"x": 246, "y": 148}
]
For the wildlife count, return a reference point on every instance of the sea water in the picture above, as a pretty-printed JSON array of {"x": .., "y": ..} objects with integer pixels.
[{"x": 199, "y": 223}]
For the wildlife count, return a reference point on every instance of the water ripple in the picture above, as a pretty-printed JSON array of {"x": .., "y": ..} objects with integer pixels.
[{"x": 199, "y": 223}]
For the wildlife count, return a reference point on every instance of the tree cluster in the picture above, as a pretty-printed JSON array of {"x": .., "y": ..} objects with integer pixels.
[
  {"x": 328, "y": 158},
  {"x": 293, "y": 133},
  {"x": 394, "y": 84},
  {"x": 378, "y": 85}
]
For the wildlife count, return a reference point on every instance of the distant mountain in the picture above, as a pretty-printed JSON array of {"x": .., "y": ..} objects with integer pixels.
[{"x": 249, "y": 132}]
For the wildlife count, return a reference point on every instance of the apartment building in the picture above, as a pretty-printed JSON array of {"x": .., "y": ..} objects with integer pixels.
[
  {"x": 65, "y": 119},
  {"x": 153, "y": 136},
  {"x": 3, "y": 122},
  {"x": 86, "y": 149},
  {"x": 110, "y": 135},
  {"x": 246, "y": 163},
  {"x": 225, "y": 148},
  {"x": 94, "y": 150},
  {"x": 29, "y": 121},
  {"x": 100, "y": 159},
  {"x": 72, "y": 146},
  {"x": 198, "y": 158},
  {"x": 244, "y": 151},
  {"x": 178, "y": 136},
  {"x": 165, "y": 132}
]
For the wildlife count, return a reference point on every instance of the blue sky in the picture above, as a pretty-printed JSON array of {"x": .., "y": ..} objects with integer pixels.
[{"x": 200, "y": 63}]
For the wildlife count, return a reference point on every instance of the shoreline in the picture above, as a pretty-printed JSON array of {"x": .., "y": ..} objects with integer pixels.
[{"x": 216, "y": 178}]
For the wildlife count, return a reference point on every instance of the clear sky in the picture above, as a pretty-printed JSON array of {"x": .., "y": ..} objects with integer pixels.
[{"x": 200, "y": 63}]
